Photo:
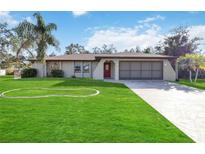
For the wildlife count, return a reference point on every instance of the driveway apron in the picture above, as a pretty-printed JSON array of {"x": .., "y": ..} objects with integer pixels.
[{"x": 182, "y": 105}]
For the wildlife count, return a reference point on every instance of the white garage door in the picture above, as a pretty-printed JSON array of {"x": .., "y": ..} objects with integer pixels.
[{"x": 145, "y": 70}]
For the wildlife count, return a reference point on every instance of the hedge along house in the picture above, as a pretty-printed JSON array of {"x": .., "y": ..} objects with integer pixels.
[{"x": 118, "y": 66}]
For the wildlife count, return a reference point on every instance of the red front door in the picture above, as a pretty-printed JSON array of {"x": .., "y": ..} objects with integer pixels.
[{"x": 107, "y": 70}]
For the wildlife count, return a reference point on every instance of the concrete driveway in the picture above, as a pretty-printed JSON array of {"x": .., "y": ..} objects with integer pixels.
[{"x": 183, "y": 106}]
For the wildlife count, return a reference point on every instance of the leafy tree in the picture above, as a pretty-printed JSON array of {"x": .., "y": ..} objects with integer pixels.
[
  {"x": 75, "y": 49},
  {"x": 108, "y": 49},
  {"x": 44, "y": 37},
  {"x": 159, "y": 49},
  {"x": 22, "y": 39},
  {"x": 132, "y": 50},
  {"x": 148, "y": 50},
  {"x": 5, "y": 35},
  {"x": 126, "y": 51},
  {"x": 13, "y": 41},
  {"x": 26, "y": 37},
  {"x": 178, "y": 43},
  {"x": 137, "y": 49},
  {"x": 96, "y": 50},
  {"x": 7, "y": 61},
  {"x": 192, "y": 62},
  {"x": 105, "y": 49}
]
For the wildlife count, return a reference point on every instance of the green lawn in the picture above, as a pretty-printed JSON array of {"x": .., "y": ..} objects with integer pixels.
[
  {"x": 50, "y": 91},
  {"x": 199, "y": 84},
  {"x": 115, "y": 115}
]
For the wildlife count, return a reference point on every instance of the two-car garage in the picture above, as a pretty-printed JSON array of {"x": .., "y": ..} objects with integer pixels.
[{"x": 141, "y": 70}]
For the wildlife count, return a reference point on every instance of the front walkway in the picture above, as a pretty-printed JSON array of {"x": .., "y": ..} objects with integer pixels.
[{"x": 183, "y": 106}]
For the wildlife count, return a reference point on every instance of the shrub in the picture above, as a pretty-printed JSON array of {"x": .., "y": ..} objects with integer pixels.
[
  {"x": 29, "y": 73},
  {"x": 57, "y": 73},
  {"x": 73, "y": 76}
]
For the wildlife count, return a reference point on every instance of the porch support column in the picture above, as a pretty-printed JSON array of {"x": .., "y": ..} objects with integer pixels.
[{"x": 116, "y": 69}]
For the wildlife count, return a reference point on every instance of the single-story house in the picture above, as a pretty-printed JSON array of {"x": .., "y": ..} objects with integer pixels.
[{"x": 118, "y": 66}]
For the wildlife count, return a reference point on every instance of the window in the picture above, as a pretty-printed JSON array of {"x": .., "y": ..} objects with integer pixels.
[
  {"x": 107, "y": 67},
  {"x": 86, "y": 68},
  {"x": 77, "y": 68}
]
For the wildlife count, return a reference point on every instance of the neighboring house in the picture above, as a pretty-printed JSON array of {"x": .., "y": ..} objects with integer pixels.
[
  {"x": 2, "y": 72},
  {"x": 119, "y": 66}
]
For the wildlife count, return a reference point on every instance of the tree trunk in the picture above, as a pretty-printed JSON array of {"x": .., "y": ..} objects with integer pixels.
[
  {"x": 190, "y": 76},
  {"x": 17, "y": 61},
  {"x": 196, "y": 76},
  {"x": 17, "y": 72}
]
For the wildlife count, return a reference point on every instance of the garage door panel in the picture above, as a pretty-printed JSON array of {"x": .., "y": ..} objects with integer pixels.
[
  {"x": 146, "y": 66},
  {"x": 124, "y": 65},
  {"x": 156, "y": 75},
  {"x": 141, "y": 70},
  {"x": 124, "y": 74},
  {"x": 135, "y": 74},
  {"x": 156, "y": 66},
  {"x": 135, "y": 65},
  {"x": 146, "y": 74}
]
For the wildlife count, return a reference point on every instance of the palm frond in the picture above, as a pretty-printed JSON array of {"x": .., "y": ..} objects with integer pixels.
[
  {"x": 50, "y": 27},
  {"x": 51, "y": 40},
  {"x": 40, "y": 22}
]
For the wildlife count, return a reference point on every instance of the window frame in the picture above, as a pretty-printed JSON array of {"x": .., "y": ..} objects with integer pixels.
[
  {"x": 79, "y": 68},
  {"x": 88, "y": 70}
]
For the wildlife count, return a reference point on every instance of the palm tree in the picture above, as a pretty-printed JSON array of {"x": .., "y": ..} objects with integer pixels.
[{"x": 44, "y": 37}]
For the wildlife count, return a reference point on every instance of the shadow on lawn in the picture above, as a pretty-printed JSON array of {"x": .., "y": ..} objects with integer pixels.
[
  {"x": 88, "y": 83},
  {"x": 56, "y": 82}
]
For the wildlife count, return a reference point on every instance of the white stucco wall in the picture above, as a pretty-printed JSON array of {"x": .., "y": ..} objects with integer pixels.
[
  {"x": 168, "y": 72},
  {"x": 68, "y": 68},
  {"x": 2, "y": 72},
  {"x": 97, "y": 70},
  {"x": 113, "y": 70},
  {"x": 40, "y": 68},
  {"x": 94, "y": 65}
]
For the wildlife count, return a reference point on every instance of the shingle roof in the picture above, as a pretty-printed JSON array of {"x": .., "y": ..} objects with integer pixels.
[
  {"x": 73, "y": 57},
  {"x": 93, "y": 57},
  {"x": 132, "y": 55}
]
